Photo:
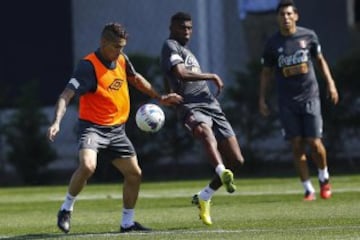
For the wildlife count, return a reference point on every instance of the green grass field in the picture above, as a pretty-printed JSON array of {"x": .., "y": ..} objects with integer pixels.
[{"x": 262, "y": 208}]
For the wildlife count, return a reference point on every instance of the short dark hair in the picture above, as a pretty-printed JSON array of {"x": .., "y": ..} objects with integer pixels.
[
  {"x": 113, "y": 31},
  {"x": 286, "y": 3},
  {"x": 180, "y": 17}
]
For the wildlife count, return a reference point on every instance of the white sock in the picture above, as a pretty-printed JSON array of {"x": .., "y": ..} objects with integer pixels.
[
  {"x": 308, "y": 186},
  {"x": 206, "y": 193},
  {"x": 127, "y": 217},
  {"x": 69, "y": 202},
  {"x": 323, "y": 174},
  {"x": 219, "y": 169}
]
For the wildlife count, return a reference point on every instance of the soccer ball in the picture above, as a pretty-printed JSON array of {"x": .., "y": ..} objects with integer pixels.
[{"x": 150, "y": 118}]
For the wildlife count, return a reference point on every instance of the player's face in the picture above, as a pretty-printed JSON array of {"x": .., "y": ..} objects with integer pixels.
[
  {"x": 111, "y": 50},
  {"x": 287, "y": 18},
  {"x": 181, "y": 31}
]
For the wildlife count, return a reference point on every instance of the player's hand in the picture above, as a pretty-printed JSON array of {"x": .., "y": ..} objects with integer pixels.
[
  {"x": 171, "y": 99},
  {"x": 52, "y": 131},
  {"x": 333, "y": 94},
  {"x": 264, "y": 109},
  {"x": 219, "y": 84}
]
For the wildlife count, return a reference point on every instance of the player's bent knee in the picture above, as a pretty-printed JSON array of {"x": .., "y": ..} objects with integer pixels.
[
  {"x": 138, "y": 173},
  {"x": 202, "y": 130},
  {"x": 86, "y": 170},
  {"x": 133, "y": 177},
  {"x": 236, "y": 164},
  {"x": 241, "y": 160},
  {"x": 134, "y": 173}
]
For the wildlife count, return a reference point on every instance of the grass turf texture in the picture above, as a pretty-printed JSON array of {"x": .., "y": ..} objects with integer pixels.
[{"x": 263, "y": 208}]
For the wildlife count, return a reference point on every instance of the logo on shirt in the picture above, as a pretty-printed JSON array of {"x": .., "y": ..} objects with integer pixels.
[
  {"x": 294, "y": 64},
  {"x": 300, "y": 56},
  {"x": 192, "y": 64},
  {"x": 116, "y": 84}
]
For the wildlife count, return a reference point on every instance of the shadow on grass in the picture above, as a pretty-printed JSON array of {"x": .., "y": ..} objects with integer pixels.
[{"x": 61, "y": 235}]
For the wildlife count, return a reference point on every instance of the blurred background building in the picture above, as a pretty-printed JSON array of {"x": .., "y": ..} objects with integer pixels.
[{"x": 43, "y": 40}]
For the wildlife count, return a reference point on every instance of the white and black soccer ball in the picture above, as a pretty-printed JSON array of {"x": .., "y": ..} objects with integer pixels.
[{"x": 150, "y": 118}]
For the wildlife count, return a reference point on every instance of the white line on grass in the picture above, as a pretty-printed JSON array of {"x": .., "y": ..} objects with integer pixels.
[
  {"x": 212, "y": 231},
  {"x": 175, "y": 193},
  {"x": 181, "y": 193}
]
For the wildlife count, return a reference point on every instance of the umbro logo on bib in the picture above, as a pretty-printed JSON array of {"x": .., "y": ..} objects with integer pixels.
[{"x": 116, "y": 84}]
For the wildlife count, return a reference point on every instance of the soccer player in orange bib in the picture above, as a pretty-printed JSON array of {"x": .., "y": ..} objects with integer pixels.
[{"x": 101, "y": 80}]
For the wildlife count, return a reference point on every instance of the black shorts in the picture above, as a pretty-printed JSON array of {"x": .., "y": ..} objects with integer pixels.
[
  {"x": 109, "y": 139},
  {"x": 214, "y": 117},
  {"x": 302, "y": 119}
]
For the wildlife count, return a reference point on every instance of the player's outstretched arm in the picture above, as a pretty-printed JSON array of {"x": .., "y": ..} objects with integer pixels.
[
  {"x": 186, "y": 75},
  {"x": 144, "y": 86}
]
